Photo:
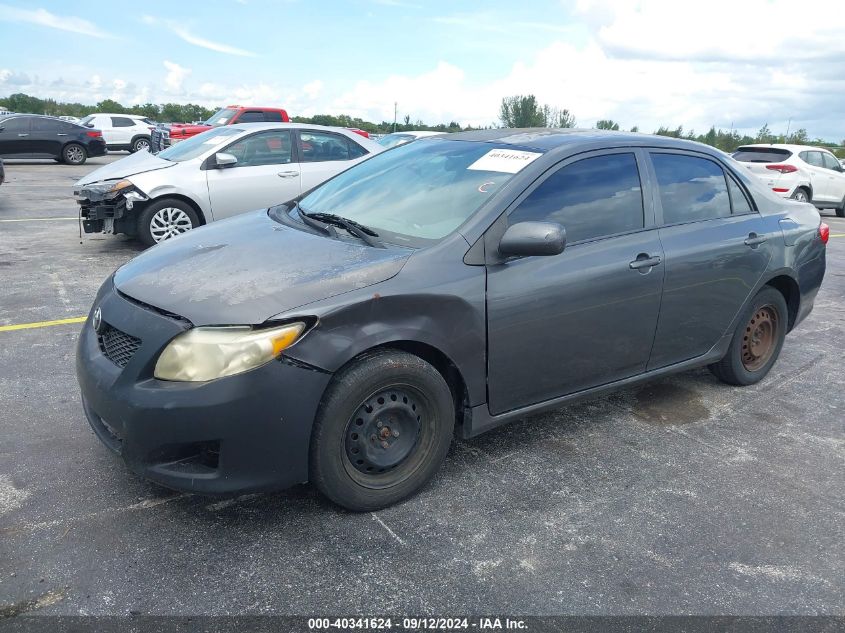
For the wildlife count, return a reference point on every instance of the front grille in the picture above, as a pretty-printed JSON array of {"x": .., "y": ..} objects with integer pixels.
[
  {"x": 119, "y": 347},
  {"x": 159, "y": 139}
]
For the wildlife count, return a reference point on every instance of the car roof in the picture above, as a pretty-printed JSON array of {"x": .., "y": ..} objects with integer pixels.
[
  {"x": 128, "y": 116},
  {"x": 548, "y": 139},
  {"x": 792, "y": 148},
  {"x": 254, "y": 127}
]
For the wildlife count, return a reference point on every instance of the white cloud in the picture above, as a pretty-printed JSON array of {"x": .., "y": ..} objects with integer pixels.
[
  {"x": 312, "y": 90},
  {"x": 184, "y": 34},
  {"x": 42, "y": 17},
  {"x": 175, "y": 76}
]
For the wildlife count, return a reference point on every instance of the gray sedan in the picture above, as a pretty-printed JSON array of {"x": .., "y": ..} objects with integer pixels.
[{"x": 461, "y": 281}]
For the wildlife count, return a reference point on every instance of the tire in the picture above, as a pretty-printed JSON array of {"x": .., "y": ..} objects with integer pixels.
[
  {"x": 74, "y": 154},
  {"x": 140, "y": 144},
  {"x": 765, "y": 321},
  {"x": 801, "y": 195},
  {"x": 164, "y": 219},
  {"x": 840, "y": 210},
  {"x": 382, "y": 431}
]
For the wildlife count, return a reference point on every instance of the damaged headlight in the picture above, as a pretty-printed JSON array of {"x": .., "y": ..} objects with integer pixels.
[
  {"x": 206, "y": 353},
  {"x": 109, "y": 190}
]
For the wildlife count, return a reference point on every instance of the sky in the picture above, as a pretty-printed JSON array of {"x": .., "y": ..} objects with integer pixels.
[{"x": 725, "y": 63}]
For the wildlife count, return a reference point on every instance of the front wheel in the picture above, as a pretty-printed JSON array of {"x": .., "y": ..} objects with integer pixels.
[
  {"x": 840, "y": 210},
  {"x": 757, "y": 341},
  {"x": 164, "y": 219},
  {"x": 74, "y": 154},
  {"x": 382, "y": 431},
  {"x": 140, "y": 144}
]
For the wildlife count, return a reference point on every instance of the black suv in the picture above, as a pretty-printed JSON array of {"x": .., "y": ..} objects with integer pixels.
[{"x": 36, "y": 136}]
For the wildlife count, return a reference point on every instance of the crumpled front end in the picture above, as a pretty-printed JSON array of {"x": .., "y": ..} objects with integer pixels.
[{"x": 108, "y": 207}]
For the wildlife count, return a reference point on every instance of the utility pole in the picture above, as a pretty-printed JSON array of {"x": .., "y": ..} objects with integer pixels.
[
  {"x": 788, "y": 125},
  {"x": 395, "y": 107}
]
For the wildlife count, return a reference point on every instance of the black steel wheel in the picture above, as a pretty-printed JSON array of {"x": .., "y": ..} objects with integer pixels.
[{"x": 383, "y": 429}]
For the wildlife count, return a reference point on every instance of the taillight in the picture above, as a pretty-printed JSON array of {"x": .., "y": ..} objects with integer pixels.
[
  {"x": 94, "y": 133},
  {"x": 784, "y": 169},
  {"x": 824, "y": 232}
]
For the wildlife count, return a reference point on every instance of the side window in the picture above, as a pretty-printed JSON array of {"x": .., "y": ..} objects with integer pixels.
[
  {"x": 830, "y": 162},
  {"x": 323, "y": 146},
  {"x": 265, "y": 148},
  {"x": 691, "y": 188},
  {"x": 18, "y": 125},
  {"x": 251, "y": 116},
  {"x": 121, "y": 121},
  {"x": 355, "y": 150},
  {"x": 739, "y": 202},
  {"x": 814, "y": 159},
  {"x": 273, "y": 116},
  {"x": 45, "y": 126},
  {"x": 591, "y": 198}
]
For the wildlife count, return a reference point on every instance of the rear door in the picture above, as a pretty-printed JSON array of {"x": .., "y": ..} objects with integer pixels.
[
  {"x": 121, "y": 131},
  {"x": 717, "y": 248},
  {"x": 561, "y": 324},
  {"x": 14, "y": 136},
  {"x": 836, "y": 178},
  {"x": 819, "y": 176},
  {"x": 266, "y": 174},
  {"x": 324, "y": 154}
]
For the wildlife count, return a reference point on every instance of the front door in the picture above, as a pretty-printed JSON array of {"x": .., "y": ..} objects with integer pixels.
[
  {"x": 265, "y": 174},
  {"x": 717, "y": 248},
  {"x": 819, "y": 176},
  {"x": 561, "y": 324},
  {"x": 835, "y": 178}
]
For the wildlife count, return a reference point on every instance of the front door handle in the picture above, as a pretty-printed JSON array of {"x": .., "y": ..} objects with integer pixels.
[
  {"x": 23, "y": 134},
  {"x": 645, "y": 261},
  {"x": 753, "y": 240},
  {"x": 287, "y": 174},
  {"x": 61, "y": 134}
]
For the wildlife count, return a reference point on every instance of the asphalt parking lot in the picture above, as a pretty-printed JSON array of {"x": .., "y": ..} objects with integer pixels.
[{"x": 681, "y": 496}]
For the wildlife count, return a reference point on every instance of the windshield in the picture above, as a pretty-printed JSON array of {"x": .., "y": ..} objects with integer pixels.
[
  {"x": 221, "y": 118},
  {"x": 394, "y": 140},
  {"x": 198, "y": 145},
  {"x": 420, "y": 191}
]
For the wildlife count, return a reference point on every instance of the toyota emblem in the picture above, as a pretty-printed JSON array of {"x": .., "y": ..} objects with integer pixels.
[{"x": 97, "y": 320}]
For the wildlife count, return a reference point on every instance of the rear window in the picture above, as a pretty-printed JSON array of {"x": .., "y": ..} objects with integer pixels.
[{"x": 761, "y": 154}]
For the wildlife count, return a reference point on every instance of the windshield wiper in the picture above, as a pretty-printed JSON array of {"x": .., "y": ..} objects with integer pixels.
[{"x": 362, "y": 232}]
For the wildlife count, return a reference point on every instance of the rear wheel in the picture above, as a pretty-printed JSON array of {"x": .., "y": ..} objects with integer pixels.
[
  {"x": 74, "y": 154},
  {"x": 757, "y": 341},
  {"x": 383, "y": 430},
  {"x": 801, "y": 195},
  {"x": 164, "y": 219},
  {"x": 840, "y": 210}
]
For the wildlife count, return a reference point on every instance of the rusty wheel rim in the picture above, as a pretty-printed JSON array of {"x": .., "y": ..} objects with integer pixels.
[{"x": 760, "y": 338}]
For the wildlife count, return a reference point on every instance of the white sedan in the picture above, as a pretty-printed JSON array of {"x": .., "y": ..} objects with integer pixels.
[{"x": 217, "y": 174}]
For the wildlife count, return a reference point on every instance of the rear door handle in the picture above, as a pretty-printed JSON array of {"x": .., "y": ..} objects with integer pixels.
[
  {"x": 23, "y": 134},
  {"x": 61, "y": 134},
  {"x": 753, "y": 240},
  {"x": 645, "y": 261},
  {"x": 287, "y": 174}
]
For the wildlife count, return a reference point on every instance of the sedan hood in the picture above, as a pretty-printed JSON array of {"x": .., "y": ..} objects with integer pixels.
[
  {"x": 245, "y": 270},
  {"x": 133, "y": 164}
]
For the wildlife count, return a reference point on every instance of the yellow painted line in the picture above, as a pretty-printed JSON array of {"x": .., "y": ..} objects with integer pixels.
[
  {"x": 29, "y": 326},
  {"x": 837, "y": 235},
  {"x": 37, "y": 219}
]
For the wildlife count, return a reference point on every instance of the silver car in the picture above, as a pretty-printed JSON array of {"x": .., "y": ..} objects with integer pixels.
[{"x": 214, "y": 175}]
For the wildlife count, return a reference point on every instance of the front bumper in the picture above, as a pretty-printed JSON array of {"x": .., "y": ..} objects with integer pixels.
[{"x": 242, "y": 433}]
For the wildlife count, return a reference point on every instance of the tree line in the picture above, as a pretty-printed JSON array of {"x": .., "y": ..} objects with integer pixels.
[{"x": 515, "y": 112}]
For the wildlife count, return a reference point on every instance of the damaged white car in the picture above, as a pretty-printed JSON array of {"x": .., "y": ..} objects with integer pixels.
[{"x": 214, "y": 175}]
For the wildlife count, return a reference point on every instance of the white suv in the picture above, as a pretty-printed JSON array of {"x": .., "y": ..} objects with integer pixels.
[
  {"x": 809, "y": 174},
  {"x": 122, "y": 131}
]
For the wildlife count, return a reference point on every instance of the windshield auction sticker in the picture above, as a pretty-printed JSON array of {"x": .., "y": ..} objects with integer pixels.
[{"x": 507, "y": 161}]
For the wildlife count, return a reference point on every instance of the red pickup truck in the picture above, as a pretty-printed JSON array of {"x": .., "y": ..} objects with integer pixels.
[{"x": 165, "y": 134}]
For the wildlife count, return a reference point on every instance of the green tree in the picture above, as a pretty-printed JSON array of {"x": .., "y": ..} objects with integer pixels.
[
  {"x": 522, "y": 111},
  {"x": 607, "y": 124},
  {"x": 635, "y": 129},
  {"x": 110, "y": 105}
]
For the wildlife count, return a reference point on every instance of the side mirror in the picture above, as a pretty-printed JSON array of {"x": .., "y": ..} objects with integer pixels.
[
  {"x": 222, "y": 160},
  {"x": 526, "y": 239}
]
